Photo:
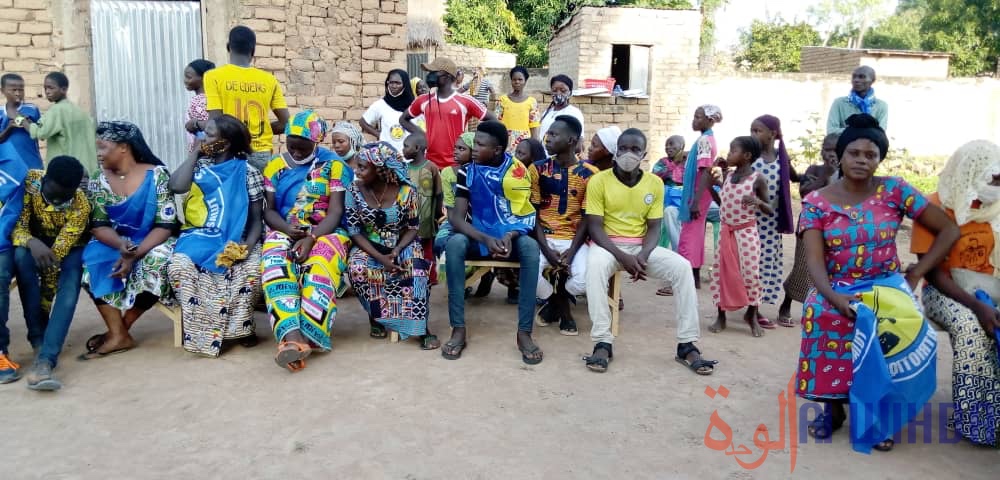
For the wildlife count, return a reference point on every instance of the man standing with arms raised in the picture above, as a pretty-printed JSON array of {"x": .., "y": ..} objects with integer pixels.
[
  {"x": 247, "y": 93},
  {"x": 446, "y": 112}
]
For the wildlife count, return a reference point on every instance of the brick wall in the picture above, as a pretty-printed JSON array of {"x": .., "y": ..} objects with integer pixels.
[
  {"x": 583, "y": 49},
  {"x": 330, "y": 55},
  {"x": 26, "y": 44}
]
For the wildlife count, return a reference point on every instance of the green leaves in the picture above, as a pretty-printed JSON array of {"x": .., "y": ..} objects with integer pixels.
[{"x": 774, "y": 46}]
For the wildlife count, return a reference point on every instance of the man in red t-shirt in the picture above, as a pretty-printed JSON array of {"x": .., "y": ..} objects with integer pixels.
[{"x": 446, "y": 112}]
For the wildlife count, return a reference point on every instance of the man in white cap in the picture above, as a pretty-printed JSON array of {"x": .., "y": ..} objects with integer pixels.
[
  {"x": 603, "y": 147},
  {"x": 446, "y": 112}
]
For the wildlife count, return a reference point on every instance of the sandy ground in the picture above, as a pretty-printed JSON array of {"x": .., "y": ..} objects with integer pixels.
[{"x": 371, "y": 409}]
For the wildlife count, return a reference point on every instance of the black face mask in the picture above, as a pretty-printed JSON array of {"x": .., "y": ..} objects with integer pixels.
[{"x": 432, "y": 80}]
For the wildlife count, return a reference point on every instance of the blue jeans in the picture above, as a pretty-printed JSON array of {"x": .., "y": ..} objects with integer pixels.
[
  {"x": 6, "y": 274},
  {"x": 460, "y": 248},
  {"x": 49, "y": 329}
]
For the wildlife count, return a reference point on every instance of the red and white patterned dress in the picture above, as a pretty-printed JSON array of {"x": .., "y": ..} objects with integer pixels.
[{"x": 736, "y": 275}]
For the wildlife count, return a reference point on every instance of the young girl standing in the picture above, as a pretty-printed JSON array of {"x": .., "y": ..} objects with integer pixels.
[
  {"x": 776, "y": 169},
  {"x": 697, "y": 197},
  {"x": 736, "y": 274}
]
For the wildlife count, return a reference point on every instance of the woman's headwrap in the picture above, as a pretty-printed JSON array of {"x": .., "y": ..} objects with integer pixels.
[
  {"x": 609, "y": 138},
  {"x": 786, "y": 223},
  {"x": 388, "y": 162},
  {"x": 413, "y": 85},
  {"x": 862, "y": 125},
  {"x": 713, "y": 112},
  {"x": 468, "y": 138},
  {"x": 307, "y": 124},
  {"x": 353, "y": 134},
  {"x": 129, "y": 134},
  {"x": 970, "y": 170}
]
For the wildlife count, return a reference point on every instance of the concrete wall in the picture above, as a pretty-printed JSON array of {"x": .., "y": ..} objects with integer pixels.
[
  {"x": 927, "y": 117},
  {"x": 583, "y": 49},
  {"x": 845, "y": 60}
]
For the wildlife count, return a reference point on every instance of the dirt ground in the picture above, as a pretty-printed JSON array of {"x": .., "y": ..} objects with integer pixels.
[{"x": 371, "y": 409}]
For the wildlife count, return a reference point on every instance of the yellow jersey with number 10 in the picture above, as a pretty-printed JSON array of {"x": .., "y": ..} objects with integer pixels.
[{"x": 248, "y": 94}]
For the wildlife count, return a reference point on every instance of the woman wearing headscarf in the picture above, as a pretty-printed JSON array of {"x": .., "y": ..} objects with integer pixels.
[
  {"x": 387, "y": 268},
  {"x": 849, "y": 229},
  {"x": 696, "y": 198},
  {"x": 562, "y": 91},
  {"x": 969, "y": 191},
  {"x": 132, "y": 219},
  {"x": 381, "y": 120},
  {"x": 305, "y": 250},
  {"x": 346, "y": 140},
  {"x": 197, "y": 113},
  {"x": 215, "y": 269},
  {"x": 518, "y": 111},
  {"x": 603, "y": 147}
]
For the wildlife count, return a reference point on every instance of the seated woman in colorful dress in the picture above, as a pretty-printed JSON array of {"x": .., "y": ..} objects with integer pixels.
[
  {"x": 215, "y": 270},
  {"x": 387, "y": 267},
  {"x": 133, "y": 220},
  {"x": 969, "y": 190},
  {"x": 849, "y": 229},
  {"x": 305, "y": 250}
]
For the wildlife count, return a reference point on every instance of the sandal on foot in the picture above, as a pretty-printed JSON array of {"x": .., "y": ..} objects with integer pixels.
[
  {"x": 885, "y": 445},
  {"x": 786, "y": 321},
  {"x": 427, "y": 342},
  {"x": 665, "y": 292},
  {"x": 765, "y": 322},
  {"x": 453, "y": 350},
  {"x": 378, "y": 331},
  {"x": 95, "y": 342},
  {"x": 823, "y": 426},
  {"x": 685, "y": 349},
  {"x": 530, "y": 350},
  {"x": 96, "y": 355},
  {"x": 292, "y": 355},
  {"x": 568, "y": 327},
  {"x": 597, "y": 364}
]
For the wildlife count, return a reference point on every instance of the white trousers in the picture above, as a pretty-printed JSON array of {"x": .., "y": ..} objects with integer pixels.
[
  {"x": 672, "y": 224},
  {"x": 664, "y": 265},
  {"x": 577, "y": 283}
]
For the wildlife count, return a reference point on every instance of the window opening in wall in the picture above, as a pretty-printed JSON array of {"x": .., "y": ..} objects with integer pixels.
[
  {"x": 620, "y": 55},
  {"x": 630, "y": 66}
]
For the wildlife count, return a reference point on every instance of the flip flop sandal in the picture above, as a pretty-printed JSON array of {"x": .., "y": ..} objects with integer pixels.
[
  {"x": 568, "y": 328},
  {"x": 95, "y": 342},
  {"x": 885, "y": 445},
  {"x": 823, "y": 426},
  {"x": 96, "y": 355},
  {"x": 786, "y": 321},
  {"x": 599, "y": 365},
  {"x": 456, "y": 350},
  {"x": 765, "y": 322},
  {"x": 533, "y": 349},
  {"x": 292, "y": 355},
  {"x": 665, "y": 292},
  {"x": 426, "y": 345},
  {"x": 378, "y": 331}
]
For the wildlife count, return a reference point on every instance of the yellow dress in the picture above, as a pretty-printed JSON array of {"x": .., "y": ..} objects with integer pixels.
[{"x": 518, "y": 117}]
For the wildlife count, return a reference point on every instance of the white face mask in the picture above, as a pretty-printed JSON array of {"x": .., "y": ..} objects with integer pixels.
[
  {"x": 306, "y": 160},
  {"x": 628, "y": 161},
  {"x": 989, "y": 194}
]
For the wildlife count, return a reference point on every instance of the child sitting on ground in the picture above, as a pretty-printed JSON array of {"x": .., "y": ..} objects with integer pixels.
[
  {"x": 426, "y": 177},
  {"x": 736, "y": 274}
]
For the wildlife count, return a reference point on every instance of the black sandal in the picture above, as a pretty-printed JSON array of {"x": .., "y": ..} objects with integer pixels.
[
  {"x": 597, "y": 364},
  {"x": 885, "y": 445},
  {"x": 823, "y": 426},
  {"x": 530, "y": 350},
  {"x": 568, "y": 327},
  {"x": 95, "y": 342},
  {"x": 452, "y": 350},
  {"x": 426, "y": 342},
  {"x": 378, "y": 331},
  {"x": 685, "y": 349}
]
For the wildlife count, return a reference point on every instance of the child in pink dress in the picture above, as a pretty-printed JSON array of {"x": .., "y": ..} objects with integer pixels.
[{"x": 736, "y": 274}]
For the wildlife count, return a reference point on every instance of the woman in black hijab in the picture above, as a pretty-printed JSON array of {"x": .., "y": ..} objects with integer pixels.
[{"x": 381, "y": 120}]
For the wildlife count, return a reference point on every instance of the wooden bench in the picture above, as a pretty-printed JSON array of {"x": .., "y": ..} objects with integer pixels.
[{"x": 482, "y": 267}]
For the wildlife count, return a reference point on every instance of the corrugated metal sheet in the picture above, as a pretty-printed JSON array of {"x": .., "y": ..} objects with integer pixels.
[{"x": 140, "y": 51}]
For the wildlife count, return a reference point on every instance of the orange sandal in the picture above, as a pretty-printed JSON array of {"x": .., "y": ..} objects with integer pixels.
[{"x": 292, "y": 355}]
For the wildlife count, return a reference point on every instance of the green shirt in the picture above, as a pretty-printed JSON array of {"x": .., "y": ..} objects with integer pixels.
[
  {"x": 427, "y": 180},
  {"x": 67, "y": 130},
  {"x": 843, "y": 108},
  {"x": 448, "y": 181}
]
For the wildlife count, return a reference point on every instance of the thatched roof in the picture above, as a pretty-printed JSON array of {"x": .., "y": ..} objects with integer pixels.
[{"x": 423, "y": 32}]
